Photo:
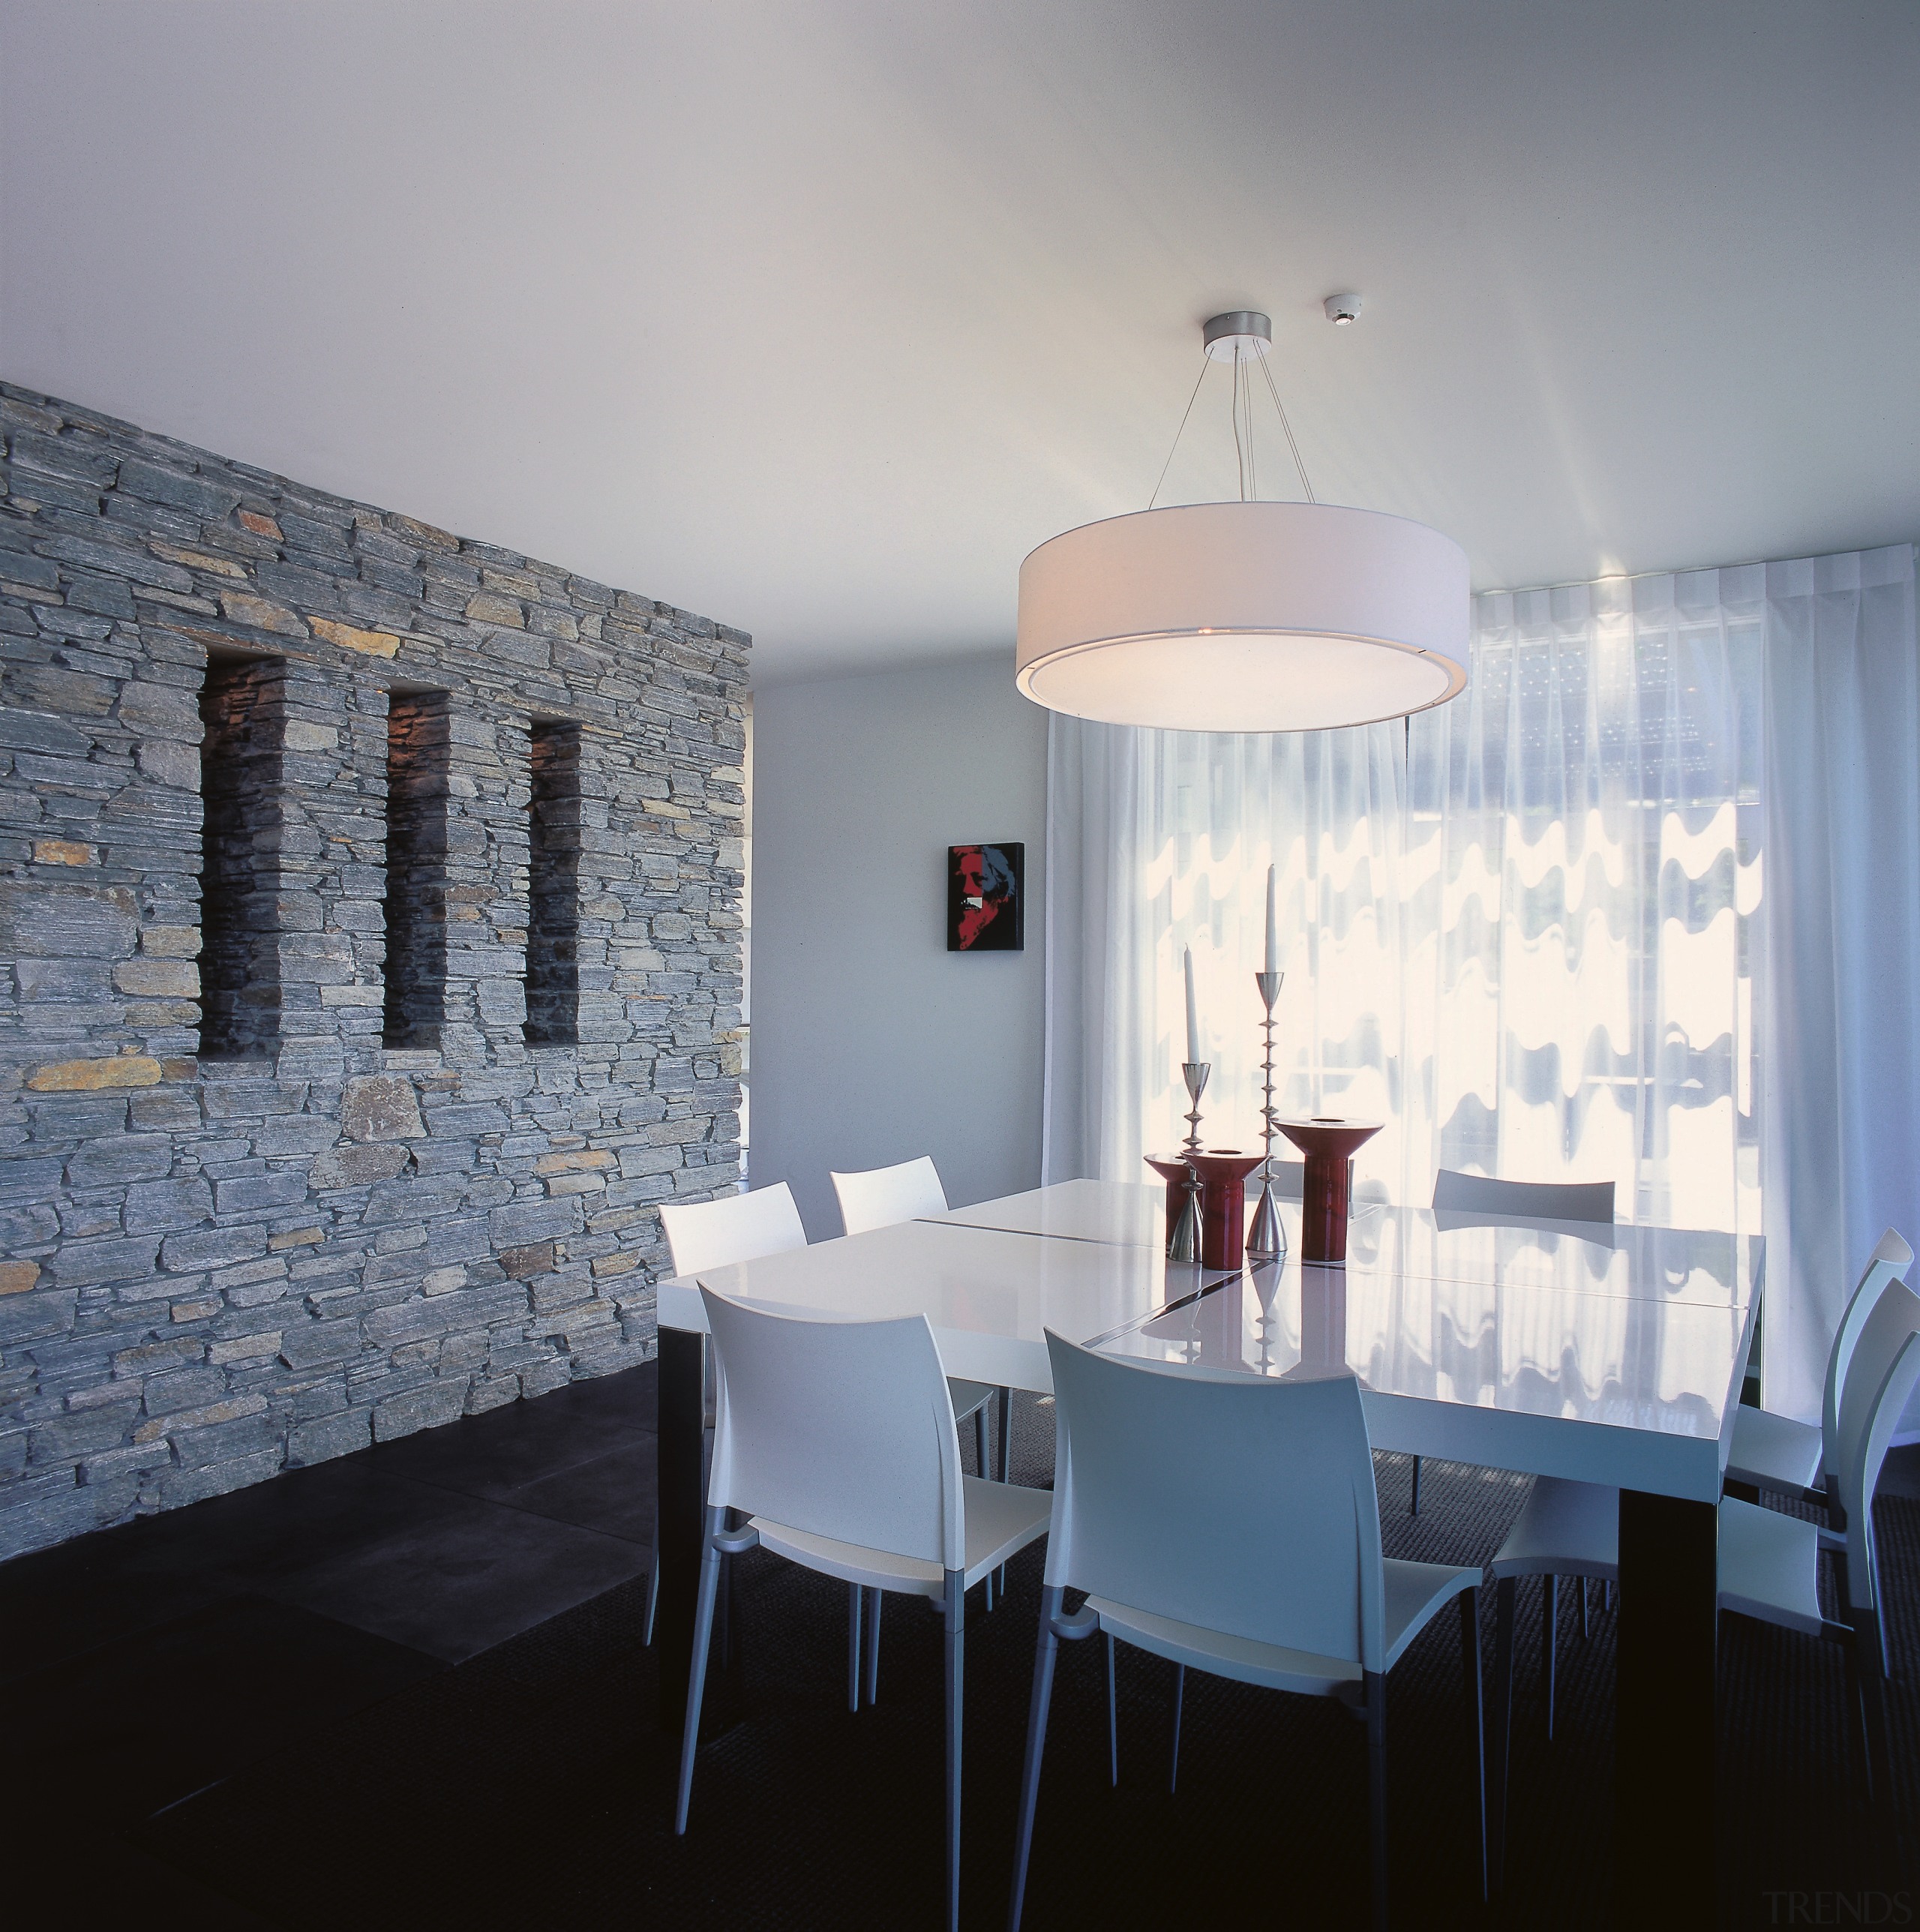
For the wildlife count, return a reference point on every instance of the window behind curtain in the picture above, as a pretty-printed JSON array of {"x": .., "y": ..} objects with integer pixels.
[
  {"x": 1581, "y": 877},
  {"x": 1517, "y": 929}
]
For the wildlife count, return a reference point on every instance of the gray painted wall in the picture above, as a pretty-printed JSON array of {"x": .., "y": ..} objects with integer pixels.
[{"x": 872, "y": 1042}]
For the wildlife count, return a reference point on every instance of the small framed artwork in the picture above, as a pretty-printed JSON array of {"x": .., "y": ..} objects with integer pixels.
[{"x": 986, "y": 898}]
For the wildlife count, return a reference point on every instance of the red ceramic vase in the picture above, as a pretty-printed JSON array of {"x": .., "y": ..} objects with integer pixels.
[
  {"x": 1328, "y": 1146},
  {"x": 1222, "y": 1177}
]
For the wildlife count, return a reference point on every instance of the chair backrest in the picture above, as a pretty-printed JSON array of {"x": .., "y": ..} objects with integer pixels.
[
  {"x": 883, "y": 1196},
  {"x": 1529, "y": 1200},
  {"x": 1890, "y": 1261},
  {"x": 1880, "y": 1378},
  {"x": 840, "y": 1429},
  {"x": 1237, "y": 1503},
  {"x": 735, "y": 1228}
]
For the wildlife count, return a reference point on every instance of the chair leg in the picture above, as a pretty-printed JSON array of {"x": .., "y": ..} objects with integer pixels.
[
  {"x": 1476, "y": 1715},
  {"x": 702, "y": 1639},
  {"x": 1005, "y": 1447},
  {"x": 1044, "y": 1654},
  {"x": 1501, "y": 1742},
  {"x": 1585, "y": 1632},
  {"x": 956, "y": 1636},
  {"x": 652, "y": 1596},
  {"x": 873, "y": 1646},
  {"x": 854, "y": 1594},
  {"x": 1550, "y": 1613},
  {"x": 1179, "y": 1704},
  {"x": 1867, "y": 1643},
  {"x": 1415, "y": 1509},
  {"x": 1879, "y": 1621},
  {"x": 724, "y": 1612},
  {"x": 984, "y": 1468},
  {"x": 1376, "y": 1792},
  {"x": 1113, "y": 1717},
  {"x": 1856, "y": 1715}
]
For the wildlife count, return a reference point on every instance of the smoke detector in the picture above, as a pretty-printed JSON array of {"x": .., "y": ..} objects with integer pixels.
[{"x": 1341, "y": 309}]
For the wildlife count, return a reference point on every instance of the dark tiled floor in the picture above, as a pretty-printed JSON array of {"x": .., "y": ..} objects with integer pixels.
[
  {"x": 216, "y": 1699},
  {"x": 150, "y": 1663}
]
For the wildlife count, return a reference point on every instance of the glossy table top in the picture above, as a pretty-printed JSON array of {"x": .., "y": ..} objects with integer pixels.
[
  {"x": 990, "y": 1294},
  {"x": 1121, "y": 1213},
  {"x": 1610, "y": 1354}
]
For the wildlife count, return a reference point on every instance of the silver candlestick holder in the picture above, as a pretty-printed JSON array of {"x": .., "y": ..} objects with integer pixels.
[
  {"x": 1195, "y": 1073},
  {"x": 1266, "y": 1240},
  {"x": 1185, "y": 1246}
]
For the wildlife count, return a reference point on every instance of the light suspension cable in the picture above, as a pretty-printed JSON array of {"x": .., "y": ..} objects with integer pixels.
[
  {"x": 1280, "y": 407},
  {"x": 1180, "y": 432}
]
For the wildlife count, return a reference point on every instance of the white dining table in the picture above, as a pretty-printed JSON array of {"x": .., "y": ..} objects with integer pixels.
[{"x": 1612, "y": 1355}]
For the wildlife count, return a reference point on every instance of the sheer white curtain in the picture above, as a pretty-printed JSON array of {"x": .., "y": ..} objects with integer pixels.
[
  {"x": 1841, "y": 1050},
  {"x": 1584, "y": 868},
  {"x": 1513, "y": 929},
  {"x": 1526, "y": 931}
]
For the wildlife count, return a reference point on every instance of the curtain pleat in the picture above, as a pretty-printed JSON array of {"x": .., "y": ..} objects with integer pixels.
[{"x": 1843, "y": 1035}]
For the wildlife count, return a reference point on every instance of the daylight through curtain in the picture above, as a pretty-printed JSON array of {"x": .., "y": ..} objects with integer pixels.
[{"x": 1515, "y": 930}]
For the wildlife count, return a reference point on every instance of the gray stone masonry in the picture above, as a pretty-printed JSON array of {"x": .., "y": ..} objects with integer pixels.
[{"x": 301, "y": 804}]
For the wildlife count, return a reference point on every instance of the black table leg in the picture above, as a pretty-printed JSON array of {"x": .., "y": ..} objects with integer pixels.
[
  {"x": 676, "y": 1523},
  {"x": 1500, "y": 1744},
  {"x": 1663, "y": 1806}
]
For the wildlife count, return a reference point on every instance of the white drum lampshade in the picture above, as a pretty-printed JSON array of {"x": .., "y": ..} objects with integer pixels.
[{"x": 1246, "y": 616}]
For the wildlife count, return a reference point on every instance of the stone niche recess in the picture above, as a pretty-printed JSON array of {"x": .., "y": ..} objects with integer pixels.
[{"x": 369, "y": 924}]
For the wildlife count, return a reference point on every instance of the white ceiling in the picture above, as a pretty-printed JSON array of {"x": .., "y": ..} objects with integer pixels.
[{"x": 816, "y": 318}]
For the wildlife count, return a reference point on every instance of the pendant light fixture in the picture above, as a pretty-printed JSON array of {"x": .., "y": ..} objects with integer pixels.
[{"x": 1246, "y": 616}]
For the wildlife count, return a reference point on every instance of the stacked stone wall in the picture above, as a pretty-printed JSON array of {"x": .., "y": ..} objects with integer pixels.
[{"x": 332, "y": 1195}]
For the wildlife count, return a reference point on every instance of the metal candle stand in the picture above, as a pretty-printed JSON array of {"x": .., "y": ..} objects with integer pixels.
[
  {"x": 1185, "y": 1245},
  {"x": 1266, "y": 1240}
]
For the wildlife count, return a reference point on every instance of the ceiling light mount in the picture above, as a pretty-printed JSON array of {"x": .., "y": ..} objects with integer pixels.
[
  {"x": 1239, "y": 336},
  {"x": 1342, "y": 311}
]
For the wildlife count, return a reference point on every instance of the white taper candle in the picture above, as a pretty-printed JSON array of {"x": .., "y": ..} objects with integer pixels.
[
  {"x": 1273, "y": 927},
  {"x": 1192, "y": 1016}
]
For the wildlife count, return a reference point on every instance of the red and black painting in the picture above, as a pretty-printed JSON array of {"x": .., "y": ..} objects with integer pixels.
[{"x": 986, "y": 898}]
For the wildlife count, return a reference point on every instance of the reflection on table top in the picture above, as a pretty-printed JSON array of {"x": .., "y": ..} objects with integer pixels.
[
  {"x": 1609, "y": 1360},
  {"x": 1637, "y": 1390},
  {"x": 990, "y": 1294},
  {"x": 1613, "y": 1353},
  {"x": 1119, "y": 1212},
  {"x": 1639, "y": 1263}
]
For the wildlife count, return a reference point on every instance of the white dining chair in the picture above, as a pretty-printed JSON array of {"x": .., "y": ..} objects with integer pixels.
[
  {"x": 1774, "y": 1454},
  {"x": 715, "y": 1234},
  {"x": 1457, "y": 1193},
  {"x": 1230, "y": 1523},
  {"x": 1768, "y": 1562},
  {"x": 732, "y": 1228},
  {"x": 883, "y": 1197},
  {"x": 837, "y": 1442},
  {"x": 1783, "y": 1456}
]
